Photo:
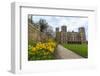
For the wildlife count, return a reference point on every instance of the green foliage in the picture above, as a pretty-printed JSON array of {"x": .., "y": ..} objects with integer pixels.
[
  {"x": 81, "y": 49},
  {"x": 32, "y": 42},
  {"x": 41, "y": 51},
  {"x": 39, "y": 55}
]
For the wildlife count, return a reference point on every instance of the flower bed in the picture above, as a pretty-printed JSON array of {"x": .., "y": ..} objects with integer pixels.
[{"x": 42, "y": 51}]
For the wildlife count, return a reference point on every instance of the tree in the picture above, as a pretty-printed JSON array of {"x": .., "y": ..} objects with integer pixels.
[
  {"x": 49, "y": 31},
  {"x": 43, "y": 25}
]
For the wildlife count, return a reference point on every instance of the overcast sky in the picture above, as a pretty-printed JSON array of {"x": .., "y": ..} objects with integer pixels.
[{"x": 72, "y": 23}]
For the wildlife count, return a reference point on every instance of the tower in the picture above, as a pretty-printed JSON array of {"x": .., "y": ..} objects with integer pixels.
[
  {"x": 64, "y": 28},
  {"x": 57, "y": 35},
  {"x": 82, "y": 34},
  {"x": 64, "y": 34},
  {"x": 57, "y": 29}
]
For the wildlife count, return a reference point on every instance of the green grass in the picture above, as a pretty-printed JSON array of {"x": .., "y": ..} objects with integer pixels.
[{"x": 81, "y": 49}]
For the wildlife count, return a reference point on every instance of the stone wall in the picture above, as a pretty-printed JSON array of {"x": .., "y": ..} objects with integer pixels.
[{"x": 34, "y": 34}]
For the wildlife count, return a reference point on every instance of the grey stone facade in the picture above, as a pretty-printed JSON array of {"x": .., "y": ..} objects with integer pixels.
[{"x": 70, "y": 37}]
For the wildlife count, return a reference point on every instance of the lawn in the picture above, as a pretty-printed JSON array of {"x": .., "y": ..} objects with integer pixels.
[{"x": 81, "y": 49}]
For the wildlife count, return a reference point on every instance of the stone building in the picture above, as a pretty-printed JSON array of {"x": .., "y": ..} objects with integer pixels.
[{"x": 70, "y": 37}]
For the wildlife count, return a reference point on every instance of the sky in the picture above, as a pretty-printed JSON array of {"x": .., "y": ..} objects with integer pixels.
[{"x": 72, "y": 23}]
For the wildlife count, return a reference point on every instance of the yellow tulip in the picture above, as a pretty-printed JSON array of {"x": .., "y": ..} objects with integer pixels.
[{"x": 33, "y": 49}]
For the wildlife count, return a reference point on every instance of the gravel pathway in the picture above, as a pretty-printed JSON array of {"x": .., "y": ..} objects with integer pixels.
[{"x": 63, "y": 53}]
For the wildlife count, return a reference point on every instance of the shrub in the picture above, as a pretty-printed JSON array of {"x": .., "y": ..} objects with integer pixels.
[{"x": 41, "y": 51}]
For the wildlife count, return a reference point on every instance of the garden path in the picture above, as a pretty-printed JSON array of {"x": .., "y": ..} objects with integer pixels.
[{"x": 63, "y": 53}]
